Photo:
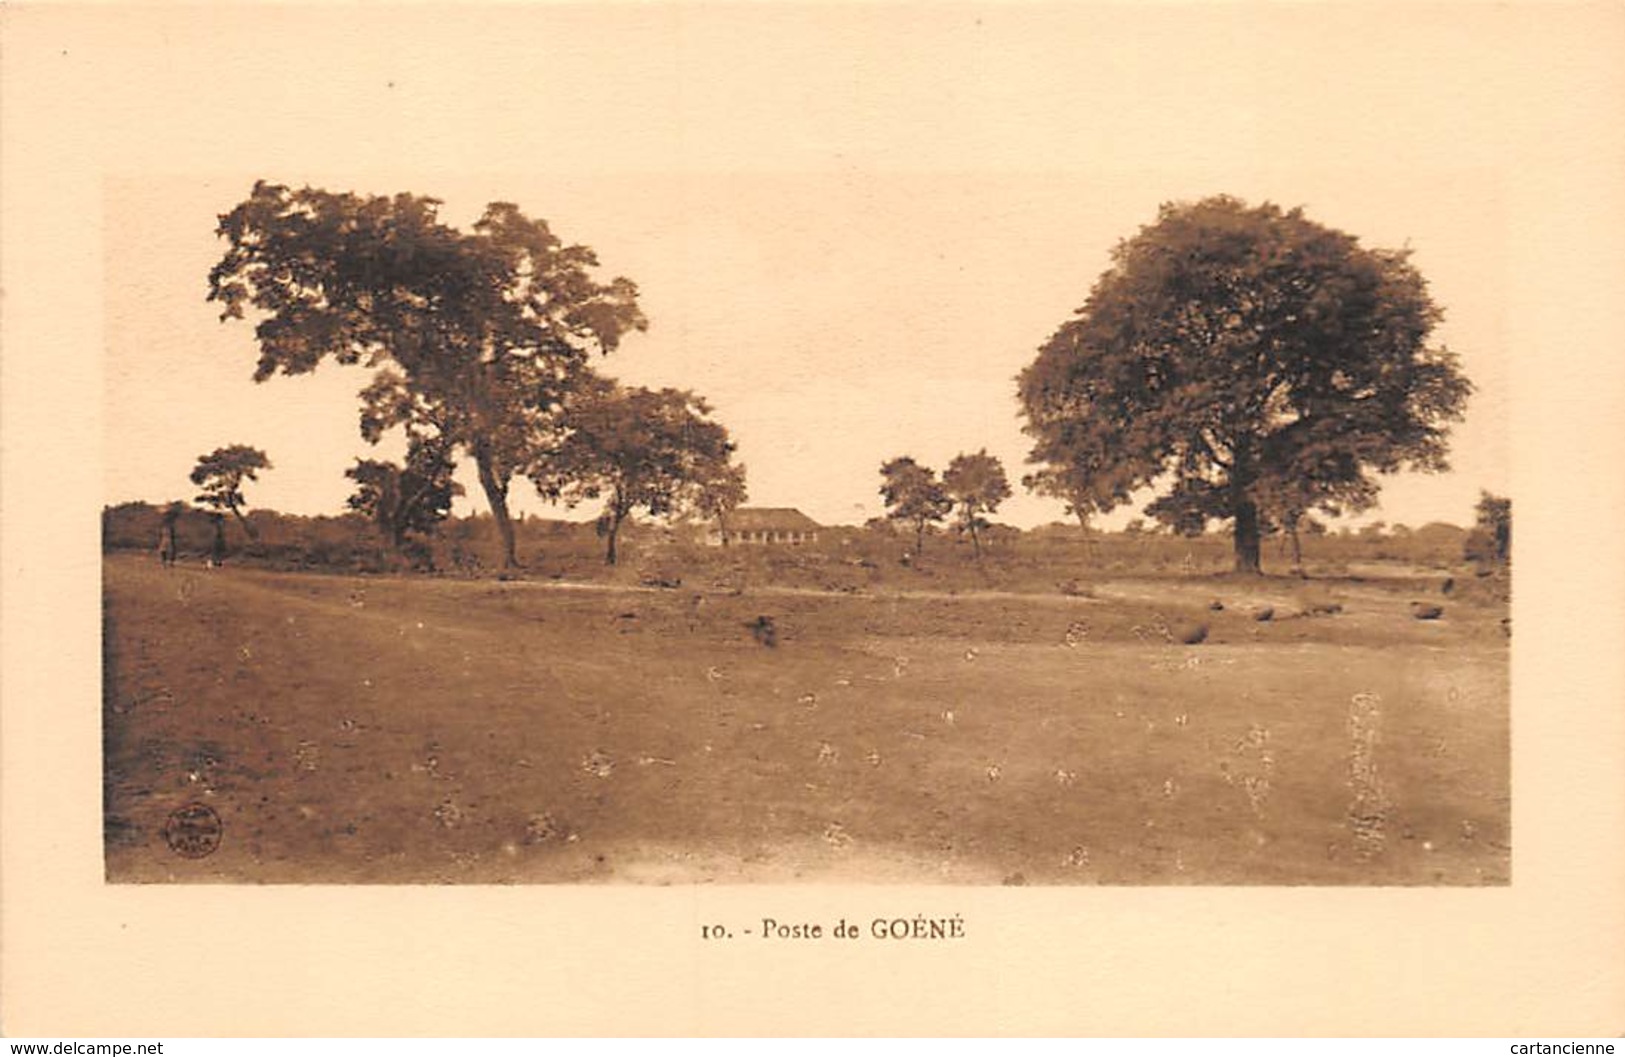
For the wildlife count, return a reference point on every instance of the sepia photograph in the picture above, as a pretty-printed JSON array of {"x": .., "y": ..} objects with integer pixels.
[
  {"x": 1012, "y": 540},
  {"x": 513, "y": 506}
]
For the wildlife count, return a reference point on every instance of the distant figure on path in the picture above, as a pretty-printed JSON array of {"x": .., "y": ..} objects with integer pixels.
[{"x": 166, "y": 535}]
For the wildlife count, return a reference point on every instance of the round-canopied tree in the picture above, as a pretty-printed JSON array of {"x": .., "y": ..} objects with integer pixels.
[
  {"x": 416, "y": 497},
  {"x": 723, "y": 492},
  {"x": 221, "y": 474},
  {"x": 1234, "y": 356},
  {"x": 637, "y": 449},
  {"x": 1490, "y": 540},
  {"x": 976, "y": 485},
  {"x": 1084, "y": 487},
  {"x": 913, "y": 494}
]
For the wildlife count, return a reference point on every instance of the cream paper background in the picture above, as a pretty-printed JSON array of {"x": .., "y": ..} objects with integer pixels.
[{"x": 125, "y": 92}]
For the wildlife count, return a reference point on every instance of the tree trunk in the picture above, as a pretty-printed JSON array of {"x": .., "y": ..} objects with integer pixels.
[
  {"x": 1297, "y": 546},
  {"x": 614, "y": 530},
  {"x": 496, "y": 493},
  {"x": 1247, "y": 535},
  {"x": 975, "y": 540},
  {"x": 248, "y": 528},
  {"x": 919, "y": 535},
  {"x": 392, "y": 513},
  {"x": 1243, "y": 507},
  {"x": 1091, "y": 549}
]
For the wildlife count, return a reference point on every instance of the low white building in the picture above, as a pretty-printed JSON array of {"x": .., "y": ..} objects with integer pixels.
[{"x": 769, "y": 526}]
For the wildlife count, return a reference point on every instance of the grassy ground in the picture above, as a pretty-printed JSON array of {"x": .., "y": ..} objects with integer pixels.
[{"x": 398, "y": 729}]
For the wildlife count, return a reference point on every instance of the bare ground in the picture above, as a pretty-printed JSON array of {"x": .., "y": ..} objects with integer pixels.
[{"x": 403, "y": 730}]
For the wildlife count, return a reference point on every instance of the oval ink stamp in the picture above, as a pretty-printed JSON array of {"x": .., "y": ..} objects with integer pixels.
[{"x": 193, "y": 831}]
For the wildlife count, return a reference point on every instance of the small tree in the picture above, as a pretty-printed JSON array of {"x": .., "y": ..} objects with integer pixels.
[
  {"x": 1491, "y": 538},
  {"x": 221, "y": 474},
  {"x": 1285, "y": 502},
  {"x": 976, "y": 485},
  {"x": 1087, "y": 482},
  {"x": 720, "y": 496},
  {"x": 404, "y": 499},
  {"x": 638, "y": 449},
  {"x": 913, "y": 495}
]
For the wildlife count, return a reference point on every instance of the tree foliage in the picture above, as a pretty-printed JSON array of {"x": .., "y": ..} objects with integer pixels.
[
  {"x": 474, "y": 339},
  {"x": 1490, "y": 541},
  {"x": 722, "y": 494},
  {"x": 1075, "y": 487},
  {"x": 1285, "y": 502},
  {"x": 638, "y": 449},
  {"x": 913, "y": 495},
  {"x": 976, "y": 485},
  {"x": 1235, "y": 356},
  {"x": 413, "y": 498},
  {"x": 221, "y": 474}
]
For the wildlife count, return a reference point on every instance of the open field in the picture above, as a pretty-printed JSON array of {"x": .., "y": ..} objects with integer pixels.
[{"x": 415, "y": 729}]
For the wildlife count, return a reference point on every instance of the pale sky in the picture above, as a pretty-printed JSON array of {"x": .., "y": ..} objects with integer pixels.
[{"x": 851, "y": 227}]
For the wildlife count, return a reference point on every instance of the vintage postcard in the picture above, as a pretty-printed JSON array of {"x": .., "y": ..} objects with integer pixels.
[{"x": 849, "y": 519}]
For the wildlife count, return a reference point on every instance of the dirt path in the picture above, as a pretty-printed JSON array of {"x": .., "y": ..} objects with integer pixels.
[{"x": 1283, "y": 592}]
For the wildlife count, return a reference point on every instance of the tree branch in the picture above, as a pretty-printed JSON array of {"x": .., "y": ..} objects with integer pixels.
[{"x": 1212, "y": 447}]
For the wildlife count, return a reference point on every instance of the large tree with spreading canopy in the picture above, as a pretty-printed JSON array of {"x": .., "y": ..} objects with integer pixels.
[
  {"x": 472, "y": 339},
  {"x": 1241, "y": 358}
]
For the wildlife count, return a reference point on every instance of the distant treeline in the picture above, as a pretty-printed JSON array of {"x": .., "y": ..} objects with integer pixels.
[
  {"x": 347, "y": 542},
  {"x": 844, "y": 558}
]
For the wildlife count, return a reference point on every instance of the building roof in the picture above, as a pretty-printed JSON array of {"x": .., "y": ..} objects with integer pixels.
[{"x": 770, "y": 519}]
